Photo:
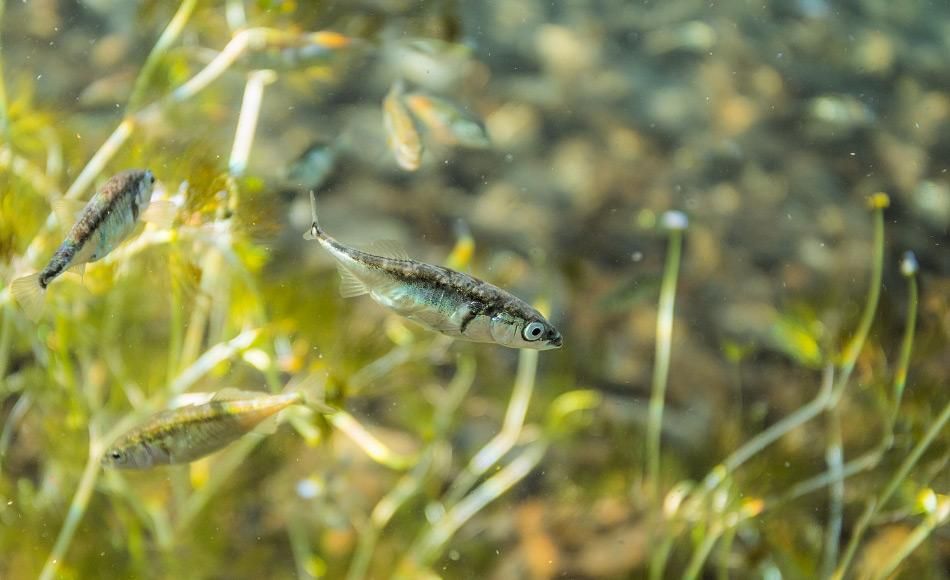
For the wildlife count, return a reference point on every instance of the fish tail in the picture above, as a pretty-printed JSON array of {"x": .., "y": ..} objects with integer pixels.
[
  {"x": 314, "y": 232},
  {"x": 29, "y": 293},
  {"x": 311, "y": 391}
]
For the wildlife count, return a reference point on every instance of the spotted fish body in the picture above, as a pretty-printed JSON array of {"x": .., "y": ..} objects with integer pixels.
[
  {"x": 188, "y": 433},
  {"x": 108, "y": 218},
  {"x": 443, "y": 300}
]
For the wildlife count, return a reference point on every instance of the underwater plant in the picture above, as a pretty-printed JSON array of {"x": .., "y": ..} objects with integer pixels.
[{"x": 719, "y": 407}]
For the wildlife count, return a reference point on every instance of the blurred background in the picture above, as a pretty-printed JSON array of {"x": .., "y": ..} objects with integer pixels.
[{"x": 559, "y": 136}]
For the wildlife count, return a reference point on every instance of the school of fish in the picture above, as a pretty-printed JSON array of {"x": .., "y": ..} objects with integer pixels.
[{"x": 438, "y": 298}]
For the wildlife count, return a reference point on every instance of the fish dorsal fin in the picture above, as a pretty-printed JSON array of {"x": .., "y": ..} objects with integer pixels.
[
  {"x": 232, "y": 394},
  {"x": 389, "y": 249},
  {"x": 67, "y": 211},
  {"x": 350, "y": 285},
  {"x": 160, "y": 212}
]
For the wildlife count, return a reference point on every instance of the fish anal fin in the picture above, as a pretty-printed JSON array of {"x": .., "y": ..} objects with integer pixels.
[
  {"x": 67, "y": 211},
  {"x": 79, "y": 269},
  {"x": 29, "y": 294},
  {"x": 268, "y": 426},
  {"x": 160, "y": 212},
  {"x": 389, "y": 249},
  {"x": 350, "y": 285}
]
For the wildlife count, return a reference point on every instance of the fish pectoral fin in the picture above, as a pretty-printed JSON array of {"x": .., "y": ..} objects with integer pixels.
[
  {"x": 389, "y": 249},
  {"x": 160, "y": 212},
  {"x": 350, "y": 285},
  {"x": 67, "y": 211}
]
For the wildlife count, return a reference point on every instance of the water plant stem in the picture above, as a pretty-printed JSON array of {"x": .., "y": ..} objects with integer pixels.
[
  {"x": 6, "y": 331},
  {"x": 300, "y": 545},
  {"x": 899, "y": 476},
  {"x": 755, "y": 445},
  {"x": 812, "y": 484},
  {"x": 501, "y": 443},
  {"x": 211, "y": 264},
  {"x": 878, "y": 203},
  {"x": 660, "y": 557},
  {"x": 4, "y": 120},
  {"x": 404, "y": 489},
  {"x": 16, "y": 414},
  {"x": 834, "y": 458},
  {"x": 164, "y": 42},
  {"x": 410, "y": 483},
  {"x": 428, "y": 547},
  {"x": 725, "y": 550},
  {"x": 661, "y": 365},
  {"x": 695, "y": 565},
  {"x": 247, "y": 120},
  {"x": 937, "y": 517},
  {"x": 77, "y": 508},
  {"x": 175, "y": 330},
  {"x": 28, "y": 171},
  {"x": 369, "y": 443},
  {"x": 909, "y": 269}
]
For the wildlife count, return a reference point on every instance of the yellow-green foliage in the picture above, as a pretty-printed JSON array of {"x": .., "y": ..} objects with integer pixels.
[{"x": 414, "y": 476}]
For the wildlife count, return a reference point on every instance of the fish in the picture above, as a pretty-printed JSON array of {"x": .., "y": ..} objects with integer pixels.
[
  {"x": 105, "y": 221},
  {"x": 440, "y": 299},
  {"x": 401, "y": 132},
  {"x": 190, "y": 432},
  {"x": 313, "y": 167},
  {"x": 446, "y": 122},
  {"x": 300, "y": 51}
]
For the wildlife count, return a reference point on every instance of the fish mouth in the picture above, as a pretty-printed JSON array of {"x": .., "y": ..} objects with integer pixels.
[{"x": 554, "y": 342}]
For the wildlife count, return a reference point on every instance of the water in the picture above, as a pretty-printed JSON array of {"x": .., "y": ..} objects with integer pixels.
[{"x": 770, "y": 126}]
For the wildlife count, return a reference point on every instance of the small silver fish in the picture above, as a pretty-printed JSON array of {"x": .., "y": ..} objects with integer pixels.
[
  {"x": 438, "y": 298},
  {"x": 300, "y": 51},
  {"x": 108, "y": 218},
  {"x": 190, "y": 432},
  {"x": 446, "y": 122},
  {"x": 401, "y": 132},
  {"x": 314, "y": 166}
]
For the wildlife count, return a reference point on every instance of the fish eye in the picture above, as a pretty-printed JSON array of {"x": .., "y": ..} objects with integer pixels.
[
  {"x": 533, "y": 331},
  {"x": 115, "y": 455}
]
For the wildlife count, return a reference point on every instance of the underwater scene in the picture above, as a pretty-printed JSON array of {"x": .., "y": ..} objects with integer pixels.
[{"x": 493, "y": 289}]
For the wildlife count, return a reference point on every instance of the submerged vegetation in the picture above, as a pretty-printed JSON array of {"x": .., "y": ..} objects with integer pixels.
[{"x": 726, "y": 403}]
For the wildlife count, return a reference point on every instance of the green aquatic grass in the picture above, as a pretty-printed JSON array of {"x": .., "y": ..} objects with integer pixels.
[
  {"x": 675, "y": 223},
  {"x": 478, "y": 422},
  {"x": 697, "y": 507}
]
